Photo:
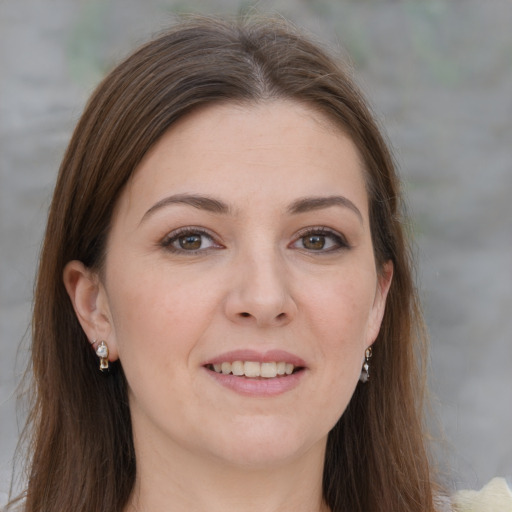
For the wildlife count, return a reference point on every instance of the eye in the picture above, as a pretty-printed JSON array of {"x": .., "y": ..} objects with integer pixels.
[
  {"x": 189, "y": 240},
  {"x": 320, "y": 240}
]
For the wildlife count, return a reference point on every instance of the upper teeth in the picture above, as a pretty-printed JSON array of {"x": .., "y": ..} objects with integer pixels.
[{"x": 254, "y": 369}]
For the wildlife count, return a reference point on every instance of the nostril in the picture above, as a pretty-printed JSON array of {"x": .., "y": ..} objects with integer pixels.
[
  {"x": 244, "y": 314},
  {"x": 281, "y": 316}
]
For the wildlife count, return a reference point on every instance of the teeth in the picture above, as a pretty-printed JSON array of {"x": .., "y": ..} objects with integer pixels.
[
  {"x": 268, "y": 370},
  {"x": 255, "y": 369},
  {"x": 237, "y": 368},
  {"x": 252, "y": 369}
]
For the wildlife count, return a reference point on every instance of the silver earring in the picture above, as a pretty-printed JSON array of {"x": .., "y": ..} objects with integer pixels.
[
  {"x": 365, "y": 372},
  {"x": 102, "y": 353}
]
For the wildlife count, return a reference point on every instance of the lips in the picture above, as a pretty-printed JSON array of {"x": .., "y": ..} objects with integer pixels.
[
  {"x": 267, "y": 370},
  {"x": 251, "y": 372}
]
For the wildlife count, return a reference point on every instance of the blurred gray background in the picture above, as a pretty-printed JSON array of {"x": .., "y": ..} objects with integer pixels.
[{"x": 439, "y": 75}]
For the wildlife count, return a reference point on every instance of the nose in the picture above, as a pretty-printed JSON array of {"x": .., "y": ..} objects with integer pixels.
[{"x": 259, "y": 292}]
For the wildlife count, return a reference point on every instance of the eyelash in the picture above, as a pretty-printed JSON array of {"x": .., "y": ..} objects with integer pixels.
[
  {"x": 190, "y": 231},
  {"x": 339, "y": 241}
]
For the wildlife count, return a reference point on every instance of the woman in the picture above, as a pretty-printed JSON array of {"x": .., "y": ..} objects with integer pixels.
[{"x": 224, "y": 315}]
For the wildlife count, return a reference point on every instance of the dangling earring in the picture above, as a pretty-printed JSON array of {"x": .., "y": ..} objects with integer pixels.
[
  {"x": 365, "y": 372},
  {"x": 102, "y": 353}
]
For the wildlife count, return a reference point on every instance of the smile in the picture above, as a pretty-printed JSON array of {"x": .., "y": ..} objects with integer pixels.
[{"x": 254, "y": 369}]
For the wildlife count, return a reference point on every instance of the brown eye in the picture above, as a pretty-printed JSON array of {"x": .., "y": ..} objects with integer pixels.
[
  {"x": 190, "y": 242},
  {"x": 320, "y": 240},
  {"x": 313, "y": 242}
]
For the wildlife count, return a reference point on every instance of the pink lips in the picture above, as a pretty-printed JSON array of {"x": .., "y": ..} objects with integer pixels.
[
  {"x": 252, "y": 355},
  {"x": 258, "y": 387}
]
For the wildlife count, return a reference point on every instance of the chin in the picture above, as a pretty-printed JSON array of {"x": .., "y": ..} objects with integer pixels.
[{"x": 265, "y": 444}]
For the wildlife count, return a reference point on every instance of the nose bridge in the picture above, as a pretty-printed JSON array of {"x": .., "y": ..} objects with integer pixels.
[{"x": 260, "y": 289}]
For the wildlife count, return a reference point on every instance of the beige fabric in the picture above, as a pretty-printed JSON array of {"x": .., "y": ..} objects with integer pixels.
[{"x": 496, "y": 496}]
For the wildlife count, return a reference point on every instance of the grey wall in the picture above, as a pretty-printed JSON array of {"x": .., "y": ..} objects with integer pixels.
[{"x": 439, "y": 74}]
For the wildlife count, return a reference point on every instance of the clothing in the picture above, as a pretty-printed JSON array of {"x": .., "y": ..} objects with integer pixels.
[{"x": 496, "y": 496}]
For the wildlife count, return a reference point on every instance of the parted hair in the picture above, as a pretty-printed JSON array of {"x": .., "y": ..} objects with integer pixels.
[{"x": 81, "y": 455}]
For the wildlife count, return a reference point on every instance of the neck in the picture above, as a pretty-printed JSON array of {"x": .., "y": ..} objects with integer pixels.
[{"x": 188, "y": 483}]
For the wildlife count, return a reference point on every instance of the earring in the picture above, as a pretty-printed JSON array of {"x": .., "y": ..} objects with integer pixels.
[
  {"x": 102, "y": 353},
  {"x": 365, "y": 372}
]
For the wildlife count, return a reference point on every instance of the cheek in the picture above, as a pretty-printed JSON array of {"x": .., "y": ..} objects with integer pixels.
[
  {"x": 154, "y": 315},
  {"x": 340, "y": 306},
  {"x": 156, "y": 323},
  {"x": 339, "y": 315}
]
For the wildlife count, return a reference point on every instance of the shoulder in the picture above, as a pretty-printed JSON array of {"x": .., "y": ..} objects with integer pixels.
[{"x": 496, "y": 496}]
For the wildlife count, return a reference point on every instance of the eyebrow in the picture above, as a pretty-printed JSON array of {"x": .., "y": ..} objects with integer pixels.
[
  {"x": 302, "y": 205},
  {"x": 197, "y": 201},
  {"x": 307, "y": 204}
]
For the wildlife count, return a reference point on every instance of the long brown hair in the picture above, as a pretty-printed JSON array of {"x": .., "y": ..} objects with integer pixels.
[{"x": 82, "y": 456}]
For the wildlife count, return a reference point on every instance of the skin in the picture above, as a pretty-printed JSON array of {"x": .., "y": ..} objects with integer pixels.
[{"x": 259, "y": 282}]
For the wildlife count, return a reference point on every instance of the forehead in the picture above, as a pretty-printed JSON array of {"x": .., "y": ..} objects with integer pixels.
[{"x": 273, "y": 151}]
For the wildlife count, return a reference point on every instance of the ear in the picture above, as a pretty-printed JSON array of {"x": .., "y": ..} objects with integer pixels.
[
  {"x": 90, "y": 302},
  {"x": 384, "y": 278}
]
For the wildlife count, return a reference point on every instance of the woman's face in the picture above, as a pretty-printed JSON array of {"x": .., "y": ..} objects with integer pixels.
[{"x": 240, "y": 250}]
